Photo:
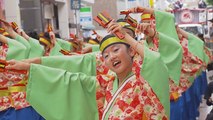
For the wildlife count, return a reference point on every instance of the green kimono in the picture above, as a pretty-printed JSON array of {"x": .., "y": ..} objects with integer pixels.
[
  {"x": 55, "y": 50},
  {"x": 16, "y": 50},
  {"x": 85, "y": 63},
  {"x": 55, "y": 82},
  {"x": 95, "y": 48},
  {"x": 64, "y": 44},
  {"x": 25, "y": 43},
  {"x": 196, "y": 46},
  {"x": 37, "y": 49},
  {"x": 169, "y": 46},
  {"x": 60, "y": 95}
]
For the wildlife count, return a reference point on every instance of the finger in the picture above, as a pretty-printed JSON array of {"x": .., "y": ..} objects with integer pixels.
[
  {"x": 138, "y": 26},
  {"x": 115, "y": 29},
  {"x": 130, "y": 10},
  {"x": 145, "y": 27},
  {"x": 3, "y": 26},
  {"x": 134, "y": 10},
  {"x": 11, "y": 62},
  {"x": 11, "y": 66},
  {"x": 110, "y": 23},
  {"x": 113, "y": 26},
  {"x": 137, "y": 29}
]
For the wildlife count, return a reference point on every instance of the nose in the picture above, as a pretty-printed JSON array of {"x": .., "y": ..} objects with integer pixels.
[{"x": 112, "y": 56}]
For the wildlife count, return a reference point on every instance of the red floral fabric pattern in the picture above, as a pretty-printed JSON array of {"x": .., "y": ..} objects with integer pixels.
[
  {"x": 10, "y": 80},
  {"x": 209, "y": 54},
  {"x": 136, "y": 99},
  {"x": 190, "y": 66}
]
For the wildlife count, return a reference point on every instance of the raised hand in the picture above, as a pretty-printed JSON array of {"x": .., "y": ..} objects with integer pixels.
[
  {"x": 52, "y": 37},
  {"x": 138, "y": 10},
  {"x": 8, "y": 28},
  {"x": 142, "y": 28},
  {"x": 113, "y": 27},
  {"x": 132, "y": 10},
  {"x": 146, "y": 29},
  {"x": 86, "y": 50}
]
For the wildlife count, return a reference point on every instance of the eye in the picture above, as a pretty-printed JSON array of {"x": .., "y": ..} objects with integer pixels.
[
  {"x": 106, "y": 56},
  {"x": 116, "y": 49}
]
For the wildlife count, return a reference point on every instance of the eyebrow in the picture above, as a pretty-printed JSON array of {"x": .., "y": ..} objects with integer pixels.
[{"x": 113, "y": 46}]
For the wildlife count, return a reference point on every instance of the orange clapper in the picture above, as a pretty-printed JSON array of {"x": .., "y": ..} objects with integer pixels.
[
  {"x": 131, "y": 21},
  {"x": 14, "y": 25},
  {"x": 103, "y": 19},
  {"x": 65, "y": 52},
  {"x": 124, "y": 12}
]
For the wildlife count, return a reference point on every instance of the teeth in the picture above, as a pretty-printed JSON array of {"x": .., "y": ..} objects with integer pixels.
[{"x": 115, "y": 63}]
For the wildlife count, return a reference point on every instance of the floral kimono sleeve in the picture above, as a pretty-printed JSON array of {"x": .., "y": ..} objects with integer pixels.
[{"x": 60, "y": 95}]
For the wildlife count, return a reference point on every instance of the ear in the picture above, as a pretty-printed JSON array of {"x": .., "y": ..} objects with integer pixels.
[{"x": 132, "y": 51}]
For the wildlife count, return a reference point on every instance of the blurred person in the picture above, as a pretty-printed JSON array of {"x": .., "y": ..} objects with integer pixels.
[
  {"x": 13, "y": 104},
  {"x": 33, "y": 34},
  {"x": 51, "y": 47},
  {"x": 209, "y": 99},
  {"x": 202, "y": 4}
]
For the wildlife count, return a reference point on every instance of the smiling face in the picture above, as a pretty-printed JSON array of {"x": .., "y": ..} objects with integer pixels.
[{"x": 118, "y": 58}]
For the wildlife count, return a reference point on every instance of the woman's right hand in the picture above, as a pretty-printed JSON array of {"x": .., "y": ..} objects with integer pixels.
[
  {"x": 86, "y": 50},
  {"x": 114, "y": 27},
  {"x": 8, "y": 28},
  {"x": 17, "y": 65}
]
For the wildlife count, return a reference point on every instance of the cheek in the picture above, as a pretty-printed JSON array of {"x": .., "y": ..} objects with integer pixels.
[
  {"x": 127, "y": 57},
  {"x": 107, "y": 62}
]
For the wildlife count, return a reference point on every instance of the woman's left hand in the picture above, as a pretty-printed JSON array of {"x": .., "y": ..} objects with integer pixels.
[{"x": 142, "y": 28}]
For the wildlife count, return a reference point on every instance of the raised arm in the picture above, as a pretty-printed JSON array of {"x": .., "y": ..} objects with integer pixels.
[
  {"x": 141, "y": 28},
  {"x": 51, "y": 88},
  {"x": 140, "y": 9}
]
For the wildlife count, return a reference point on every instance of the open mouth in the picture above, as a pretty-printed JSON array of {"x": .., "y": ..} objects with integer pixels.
[{"x": 116, "y": 63}]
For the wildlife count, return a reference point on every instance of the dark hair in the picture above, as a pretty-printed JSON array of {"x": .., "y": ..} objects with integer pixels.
[
  {"x": 57, "y": 35},
  {"x": 47, "y": 35},
  {"x": 34, "y": 35},
  {"x": 127, "y": 27},
  {"x": 121, "y": 20},
  {"x": 201, "y": 36}
]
